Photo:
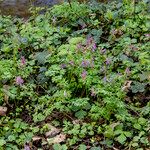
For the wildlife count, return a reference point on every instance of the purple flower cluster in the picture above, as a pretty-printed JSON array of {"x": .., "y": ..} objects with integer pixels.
[
  {"x": 90, "y": 42},
  {"x": 103, "y": 50},
  {"x": 83, "y": 26},
  {"x": 85, "y": 63},
  {"x": 19, "y": 81},
  {"x": 63, "y": 66},
  {"x": 147, "y": 35},
  {"x": 26, "y": 147},
  {"x": 94, "y": 47},
  {"x": 71, "y": 63},
  {"x": 108, "y": 61},
  {"x": 83, "y": 75},
  {"x": 127, "y": 71},
  {"x": 23, "y": 61},
  {"x": 93, "y": 93}
]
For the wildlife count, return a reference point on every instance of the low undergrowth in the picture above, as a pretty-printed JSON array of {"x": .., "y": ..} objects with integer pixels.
[{"x": 84, "y": 69}]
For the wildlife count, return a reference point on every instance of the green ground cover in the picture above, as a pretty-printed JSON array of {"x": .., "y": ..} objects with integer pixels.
[{"x": 81, "y": 70}]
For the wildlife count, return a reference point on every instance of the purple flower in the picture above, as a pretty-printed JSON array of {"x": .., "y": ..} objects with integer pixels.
[
  {"x": 108, "y": 61},
  {"x": 92, "y": 64},
  {"x": 63, "y": 66},
  {"x": 79, "y": 46},
  {"x": 147, "y": 35},
  {"x": 23, "y": 60},
  {"x": 85, "y": 63},
  {"x": 103, "y": 50},
  {"x": 71, "y": 63},
  {"x": 94, "y": 47},
  {"x": 127, "y": 71},
  {"x": 83, "y": 26},
  {"x": 102, "y": 69},
  {"x": 19, "y": 81},
  {"x": 83, "y": 75},
  {"x": 26, "y": 147},
  {"x": 89, "y": 41},
  {"x": 93, "y": 94},
  {"x": 105, "y": 79}
]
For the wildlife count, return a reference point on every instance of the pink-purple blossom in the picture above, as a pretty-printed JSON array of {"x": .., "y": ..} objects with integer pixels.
[
  {"x": 83, "y": 75},
  {"x": 79, "y": 46},
  {"x": 71, "y": 63},
  {"x": 89, "y": 41},
  {"x": 103, "y": 50},
  {"x": 105, "y": 79},
  {"x": 19, "y": 81},
  {"x": 147, "y": 35},
  {"x": 63, "y": 66},
  {"x": 85, "y": 63},
  {"x": 127, "y": 71},
  {"x": 83, "y": 26},
  {"x": 108, "y": 61},
  {"x": 23, "y": 60},
  {"x": 94, "y": 47},
  {"x": 93, "y": 94},
  {"x": 26, "y": 147}
]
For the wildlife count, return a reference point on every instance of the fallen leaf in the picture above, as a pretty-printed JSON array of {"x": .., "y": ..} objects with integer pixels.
[
  {"x": 77, "y": 121},
  {"x": 53, "y": 131},
  {"x": 57, "y": 139},
  {"x": 3, "y": 111},
  {"x": 36, "y": 138},
  {"x": 6, "y": 95},
  {"x": 126, "y": 86}
]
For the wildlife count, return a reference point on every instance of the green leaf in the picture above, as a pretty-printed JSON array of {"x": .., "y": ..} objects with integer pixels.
[
  {"x": 128, "y": 134},
  {"x": 2, "y": 142},
  {"x": 11, "y": 138},
  {"x": 41, "y": 57},
  {"x": 121, "y": 139},
  {"x": 57, "y": 147},
  {"x": 144, "y": 76},
  {"x": 76, "y": 40},
  {"x": 117, "y": 132},
  {"x": 82, "y": 147},
  {"x": 109, "y": 132},
  {"x": 142, "y": 121},
  {"x": 137, "y": 126},
  {"x": 81, "y": 114},
  {"x": 135, "y": 144},
  {"x": 95, "y": 148}
]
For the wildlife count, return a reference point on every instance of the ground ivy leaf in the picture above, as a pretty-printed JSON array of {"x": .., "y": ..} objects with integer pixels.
[
  {"x": 80, "y": 114},
  {"x": 2, "y": 142},
  {"x": 121, "y": 139}
]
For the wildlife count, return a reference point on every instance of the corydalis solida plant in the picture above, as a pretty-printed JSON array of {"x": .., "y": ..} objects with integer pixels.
[{"x": 19, "y": 81}]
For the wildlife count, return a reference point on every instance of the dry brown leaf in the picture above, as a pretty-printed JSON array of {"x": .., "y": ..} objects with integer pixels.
[
  {"x": 57, "y": 139},
  {"x": 36, "y": 138},
  {"x": 3, "y": 111},
  {"x": 77, "y": 121},
  {"x": 53, "y": 131},
  {"x": 127, "y": 85},
  {"x": 6, "y": 97}
]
